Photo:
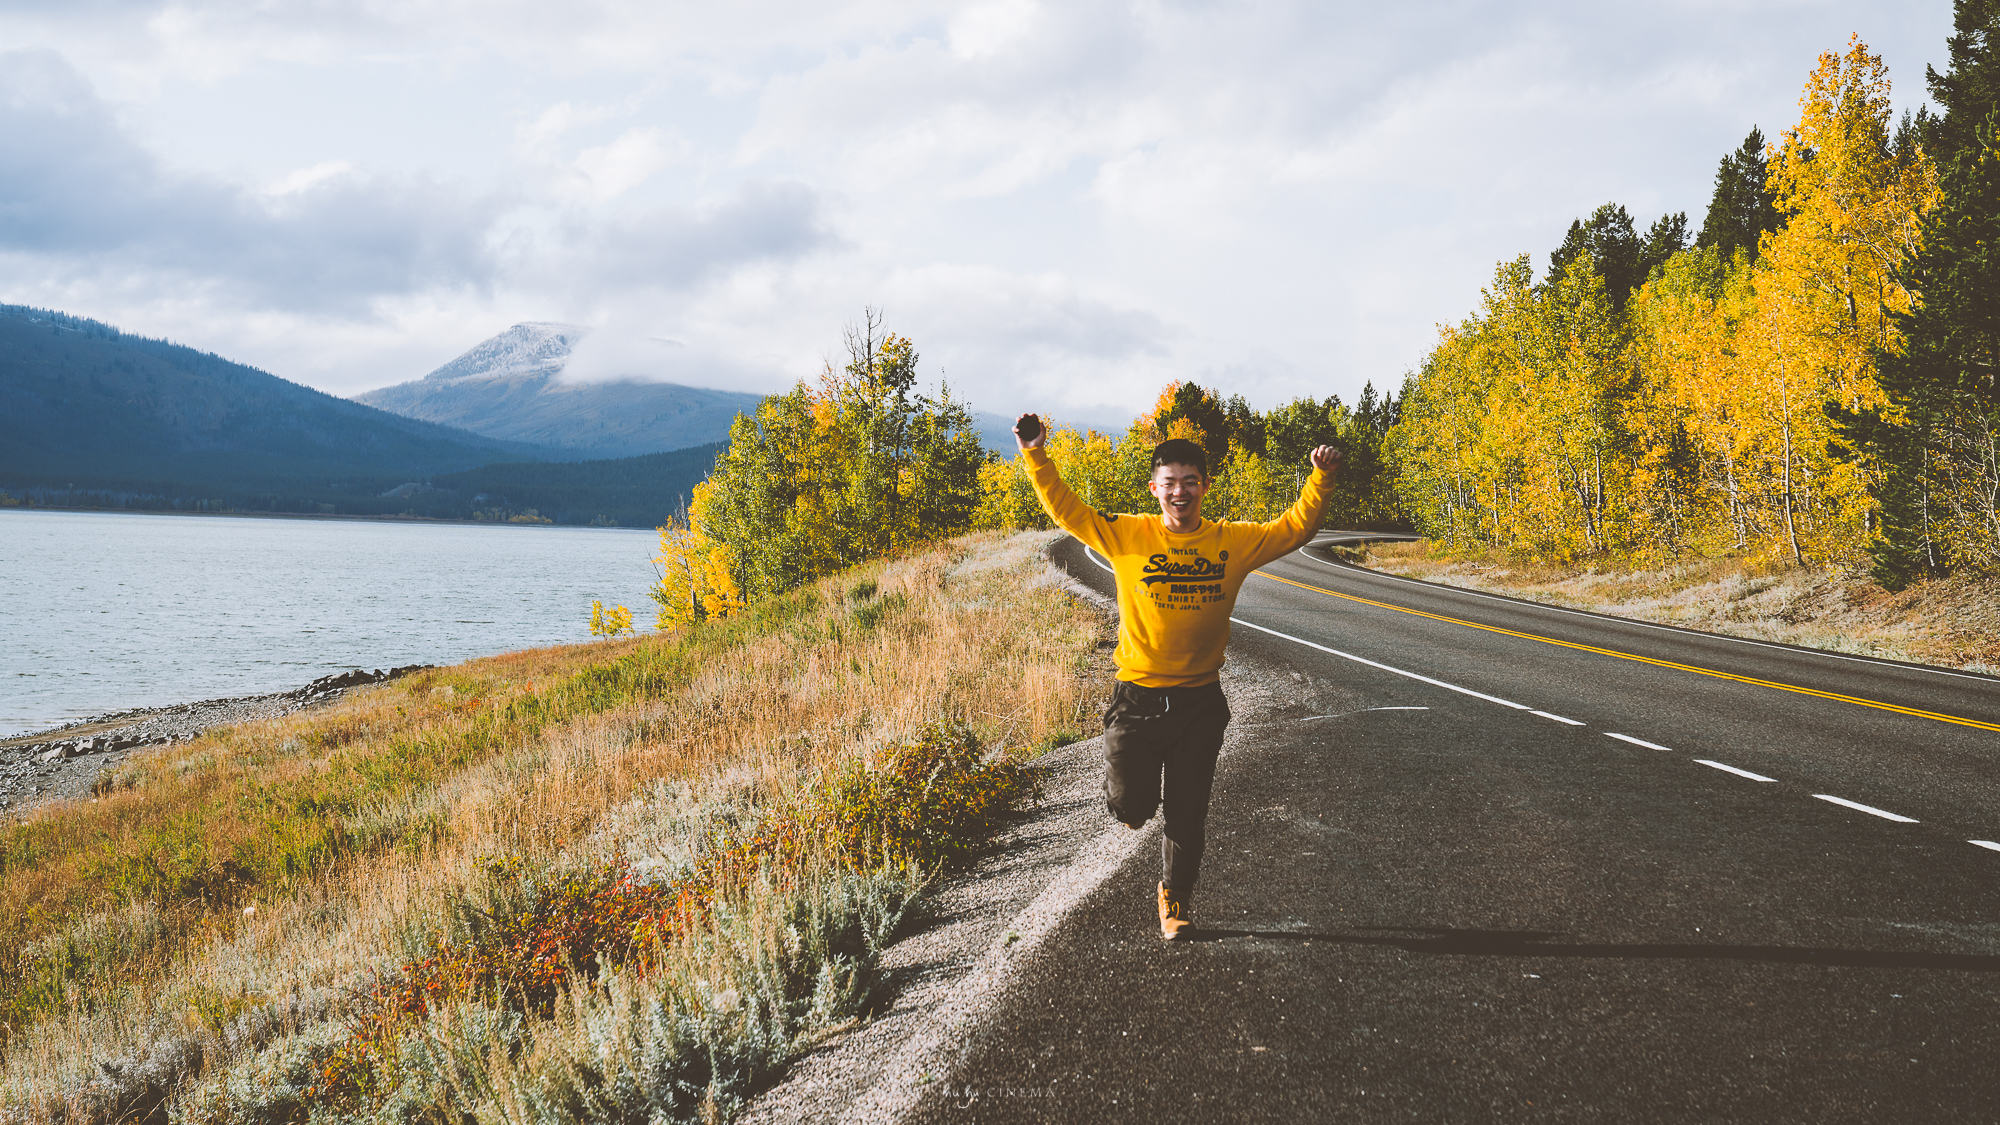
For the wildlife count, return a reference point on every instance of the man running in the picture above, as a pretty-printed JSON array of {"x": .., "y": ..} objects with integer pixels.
[{"x": 1178, "y": 575}]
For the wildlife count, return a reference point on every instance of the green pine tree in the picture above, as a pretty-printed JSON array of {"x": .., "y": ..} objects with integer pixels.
[
  {"x": 1949, "y": 368},
  {"x": 1666, "y": 237},
  {"x": 1246, "y": 426},
  {"x": 1970, "y": 86},
  {"x": 1614, "y": 249},
  {"x": 1915, "y": 132},
  {"x": 1741, "y": 210},
  {"x": 1209, "y": 415},
  {"x": 1617, "y": 253}
]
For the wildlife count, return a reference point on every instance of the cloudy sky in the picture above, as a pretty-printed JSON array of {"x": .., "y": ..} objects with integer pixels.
[{"x": 1064, "y": 204}]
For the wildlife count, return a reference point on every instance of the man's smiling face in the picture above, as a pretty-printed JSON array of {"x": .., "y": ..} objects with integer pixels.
[{"x": 1179, "y": 489}]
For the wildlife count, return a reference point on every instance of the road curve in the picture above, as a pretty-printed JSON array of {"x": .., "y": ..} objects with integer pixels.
[{"x": 1502, "y": 861}]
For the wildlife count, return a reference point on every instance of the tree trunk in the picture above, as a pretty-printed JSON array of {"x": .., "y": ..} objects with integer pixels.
[
  {"x": 1735, "y": 500},
  {"x": 1791, "y": 526},
  {"x": 1599, "y": 499}
]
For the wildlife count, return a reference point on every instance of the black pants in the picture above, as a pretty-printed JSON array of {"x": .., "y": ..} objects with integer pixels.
[{"x": 1160, "y": 746}]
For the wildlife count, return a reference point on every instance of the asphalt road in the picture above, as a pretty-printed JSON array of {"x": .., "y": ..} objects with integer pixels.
[{"x": 1510, "y": 863}]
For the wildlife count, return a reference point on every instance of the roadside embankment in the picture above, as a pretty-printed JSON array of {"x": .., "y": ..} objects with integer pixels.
[
  {"x": 623, "y": 880},
  {"x": 1953, "y": 622}
]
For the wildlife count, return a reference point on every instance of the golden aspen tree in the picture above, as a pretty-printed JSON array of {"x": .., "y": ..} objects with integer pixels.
[
  {"x": 1246, "y": 489},
  {"x": 1006, "y": 498},
  {"x": 1106, "y": 473},
  {"x": 819, "y": 479},
  {"x": 1507, "y": 463},
  {"x": 1445, "y": 470},
  {"x": 694, "y": 582},
  {"x": 1687, "y": 416},
  {"x": 613, "y": 622},
  {"x": 1094, "y": 465},
  {"x": 1699, "y": 415},
  {"x": 1569, "y": 373},
  {"x": 1827, "y": 292},
  {"x": 1512, "y": 434}
]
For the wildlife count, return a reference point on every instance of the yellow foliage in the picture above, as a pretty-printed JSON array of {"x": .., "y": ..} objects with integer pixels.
[
  {"x": 1110, "y": 474},
  {"x": 820, "y": 479},
  {"x": 613, "y": 622},
  {"x": 1248, "y": 489},
  {"x": 1163, "y": 405},
  {"x": 694, "y": 581},
  {"x": 1514, "y": 435},
  {"x": 1699, "y": 421},
  {"x": 1006, "y": 499},
  {"x": 1827, "y": 293}
]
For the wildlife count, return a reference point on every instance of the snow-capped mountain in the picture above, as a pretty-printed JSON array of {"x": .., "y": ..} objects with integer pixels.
[
  {"x": 522, "y": 349},
  {"x": 510, "y": 386}
]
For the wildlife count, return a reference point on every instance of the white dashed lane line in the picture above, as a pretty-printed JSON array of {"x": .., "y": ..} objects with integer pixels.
[
  {"x": 1558, "y": 718},
  {"x": 1638, "y": 741},
  {"x": 1385, "y": 667},
  {"x": 1734, "y": 770},
  {"x": 1871, "y": 810}
]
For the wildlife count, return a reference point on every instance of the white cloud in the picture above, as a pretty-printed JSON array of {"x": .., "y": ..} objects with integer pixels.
[
  {"x": 1065, "y": 204},
  {"x": 987, "y": 29},
  {"x": 538, "y": 138},
  {"x": 83, "y": 200},
  {"x": 615, "y": 356},
  {"x": 306, "y": 179},
  {"x": 609, "y": 171},
  {"x": 1020, "y": 341},
  {"x": 673, "y": 248}
]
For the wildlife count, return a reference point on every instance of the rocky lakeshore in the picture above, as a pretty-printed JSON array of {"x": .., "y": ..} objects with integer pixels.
[{"x": 65, "y": 763}]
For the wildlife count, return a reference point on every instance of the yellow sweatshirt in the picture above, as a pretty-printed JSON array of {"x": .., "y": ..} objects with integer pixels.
[{"x": 1175, "y": 592}]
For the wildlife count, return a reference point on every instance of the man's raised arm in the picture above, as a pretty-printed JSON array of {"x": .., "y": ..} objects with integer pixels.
[
  {"x": 1062, "y": 505},
  {"x": 1296, "y": 527}
]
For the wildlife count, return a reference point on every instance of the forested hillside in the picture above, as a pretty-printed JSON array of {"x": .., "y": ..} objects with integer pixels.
[
  {"x": 625, "y": 491},
  {"x": 1812, "y": 380},
  {"x": 91, "y": 415},
  {"x": 1811, "y": 377}
]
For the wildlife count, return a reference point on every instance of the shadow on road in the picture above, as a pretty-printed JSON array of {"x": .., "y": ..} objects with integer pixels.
[{"x": 1534, "y": 943}]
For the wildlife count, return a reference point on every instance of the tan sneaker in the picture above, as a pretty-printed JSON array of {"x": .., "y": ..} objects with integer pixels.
[{"x": 1174, "y": 922}]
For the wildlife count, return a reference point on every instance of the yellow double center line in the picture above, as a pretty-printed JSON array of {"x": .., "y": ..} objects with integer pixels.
[{"x": 1794, "y": 688}]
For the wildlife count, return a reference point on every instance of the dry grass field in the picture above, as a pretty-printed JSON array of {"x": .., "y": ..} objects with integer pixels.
[
  {"x": 1952, "y": 621},
  {"x": 614, "y": 881}
]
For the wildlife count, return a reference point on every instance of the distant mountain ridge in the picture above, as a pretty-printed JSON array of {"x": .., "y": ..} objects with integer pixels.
[
  {"x": 85, "y": 405},
  {"x": 510, "y": 387},
  {"x": 92, "y": 417}
]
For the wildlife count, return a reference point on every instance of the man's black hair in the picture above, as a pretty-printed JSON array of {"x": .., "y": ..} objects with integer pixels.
[{"x": 1179, "y": 451}]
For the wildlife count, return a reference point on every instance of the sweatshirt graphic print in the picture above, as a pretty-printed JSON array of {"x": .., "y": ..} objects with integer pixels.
[{"x": 1175, "y": 592}]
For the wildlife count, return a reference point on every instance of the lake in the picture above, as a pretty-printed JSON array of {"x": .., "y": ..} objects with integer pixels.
[{"x": 105, "y": 611}]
